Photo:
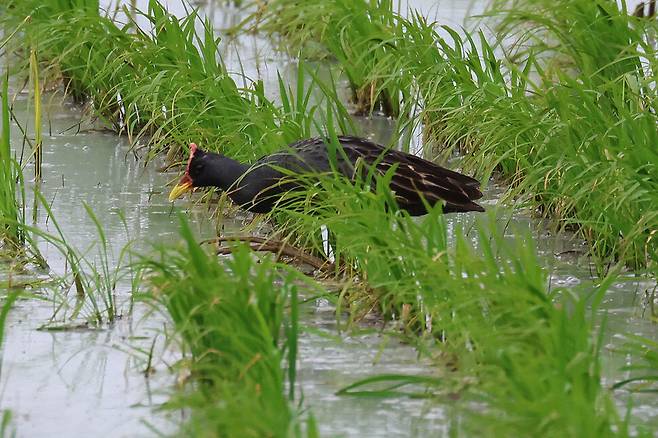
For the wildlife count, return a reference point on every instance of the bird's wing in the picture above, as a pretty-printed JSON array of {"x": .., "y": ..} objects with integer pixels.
[{"x": 415, "y": 176}]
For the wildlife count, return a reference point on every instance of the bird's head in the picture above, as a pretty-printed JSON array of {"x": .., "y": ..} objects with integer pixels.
[{"x": 193, "y": 176}]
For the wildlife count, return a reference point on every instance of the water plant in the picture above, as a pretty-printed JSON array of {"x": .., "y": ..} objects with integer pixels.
[
  {"x": 91, "y": 275},
  {"x": 362, "y": 36},
  {"x": 5, "y": 425},
  {"x": 5, "y": 415},
  {"x": 572, "y": 127},
  {"x": 238, "y": 318},
  {"x": 10, "y": 212},
  {"x": 130, "y": 76},
  {"x": 564, "y": 117},
  {"x": 478, "y": 306},
  {"x": 9, "y": 300},
  {"x": 38, "y": 140},
  {"x": 642, "y": 366}
]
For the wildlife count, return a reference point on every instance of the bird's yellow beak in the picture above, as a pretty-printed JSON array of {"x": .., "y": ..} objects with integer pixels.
[{"x": 184, "y": 185}]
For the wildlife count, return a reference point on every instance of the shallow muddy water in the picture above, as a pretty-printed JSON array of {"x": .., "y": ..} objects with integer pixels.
[
  {"x": 79, "y": 382},
  {"x": 70, "y": 383}
]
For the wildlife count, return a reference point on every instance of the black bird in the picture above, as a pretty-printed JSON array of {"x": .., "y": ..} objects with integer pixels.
[{"x": 258, "y": 187}]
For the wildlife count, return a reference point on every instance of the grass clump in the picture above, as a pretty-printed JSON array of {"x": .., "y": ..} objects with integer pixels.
[
  {"x": 11, "y": 215},
  {"x": 565, "y": 117},
  {"x": 478, "y": 306},
  {"x": 238, "y": 317},
  {"x": 363, "y": 36},
  {"x": 589, "y": 161},
  {"x": 166, "y": 84}
]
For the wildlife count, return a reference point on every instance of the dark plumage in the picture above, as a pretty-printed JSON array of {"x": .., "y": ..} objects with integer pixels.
[{"x": 258, "y": 187}]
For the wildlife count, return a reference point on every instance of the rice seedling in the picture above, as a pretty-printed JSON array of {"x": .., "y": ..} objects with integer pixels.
[
  {"x": 565, "y": 117},
  {"x": 539, "y": 27},
  {"x": 481, "y": 311},
  {"x": 580, "y": 147},
  {"x": 642, "y": 366},
  {"x": 165, "y": 85},
  {"x": 11, "y": 215},
  {"x": 6, "y": 429},
  {"x": 363, "y": 36},
  {"x": 5, "y": 417},
  {"x": 38, "y": 141},
  {"x": 92, "y": 276},
  {"x": 10, "y": 34},
  {"x": 577, "y": 147},
  {"x": 94, "y": 280},
  {"x": 5, "y": 425},
  {"x": 458, "y": 99},
  {"x": 238, "y": 317},
  {"x": 9, "y": 300},
  {"x": 496, "y": 343}
]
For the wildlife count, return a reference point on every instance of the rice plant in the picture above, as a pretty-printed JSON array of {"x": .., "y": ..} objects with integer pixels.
[
  {"x": 642, "y": 365},
  {"x": 11, "y": 215},
  {"x": 482, "y": 311},
  {"x": 572, "y": 132},
  {"x": 566, "y": 36},
  {"x": 87, "y": 291},
  {"x": 565, "y": 117},
  {"x": 165, "y": 85},
  {"x": 6, "y": 429},
  {"x": 8, "y": 302},
  {"x": 580, "y": 146},
  {"x": 38, "y": 140},
  {"x": 363, "y": 36},
  {"x": 238, "y": 318}
]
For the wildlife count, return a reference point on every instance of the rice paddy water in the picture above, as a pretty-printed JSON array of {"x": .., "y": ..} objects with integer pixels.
[{"x": 106, "y": 339}]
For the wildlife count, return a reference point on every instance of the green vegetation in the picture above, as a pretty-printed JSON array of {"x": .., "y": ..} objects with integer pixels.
[
  {"x": 4, "y": 312},
  {"x": 6, "y": 429},
  {"x": 581, "y": 147},
  {"x": 239, "y": 320},
  {"x": 482, "y": 313},
  {"x": 186, "y": 101},
  {"x": 5, "y": 415},
  {"x": 643, "y": 375},
  {"x": 364, "y": 36},
  {"x": 93, "y": 276},
  {"x": 168, "y": 86},
  {"x": 85, "y": 293},
  {"x": 38, "y": 140},
  {"x": 567, "y": 118},
  {"x": 5, "y": 425},
  {"x": 11, "y": 214}
]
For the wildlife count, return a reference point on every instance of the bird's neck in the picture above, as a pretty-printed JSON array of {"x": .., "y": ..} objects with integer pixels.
[{"x": 226, "y": 171}]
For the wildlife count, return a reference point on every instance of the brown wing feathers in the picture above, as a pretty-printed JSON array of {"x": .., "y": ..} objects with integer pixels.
[{"x": 416, "y": 178}]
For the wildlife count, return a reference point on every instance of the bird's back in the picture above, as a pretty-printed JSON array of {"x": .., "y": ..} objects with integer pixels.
[{"x": 414, "y": 181}]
